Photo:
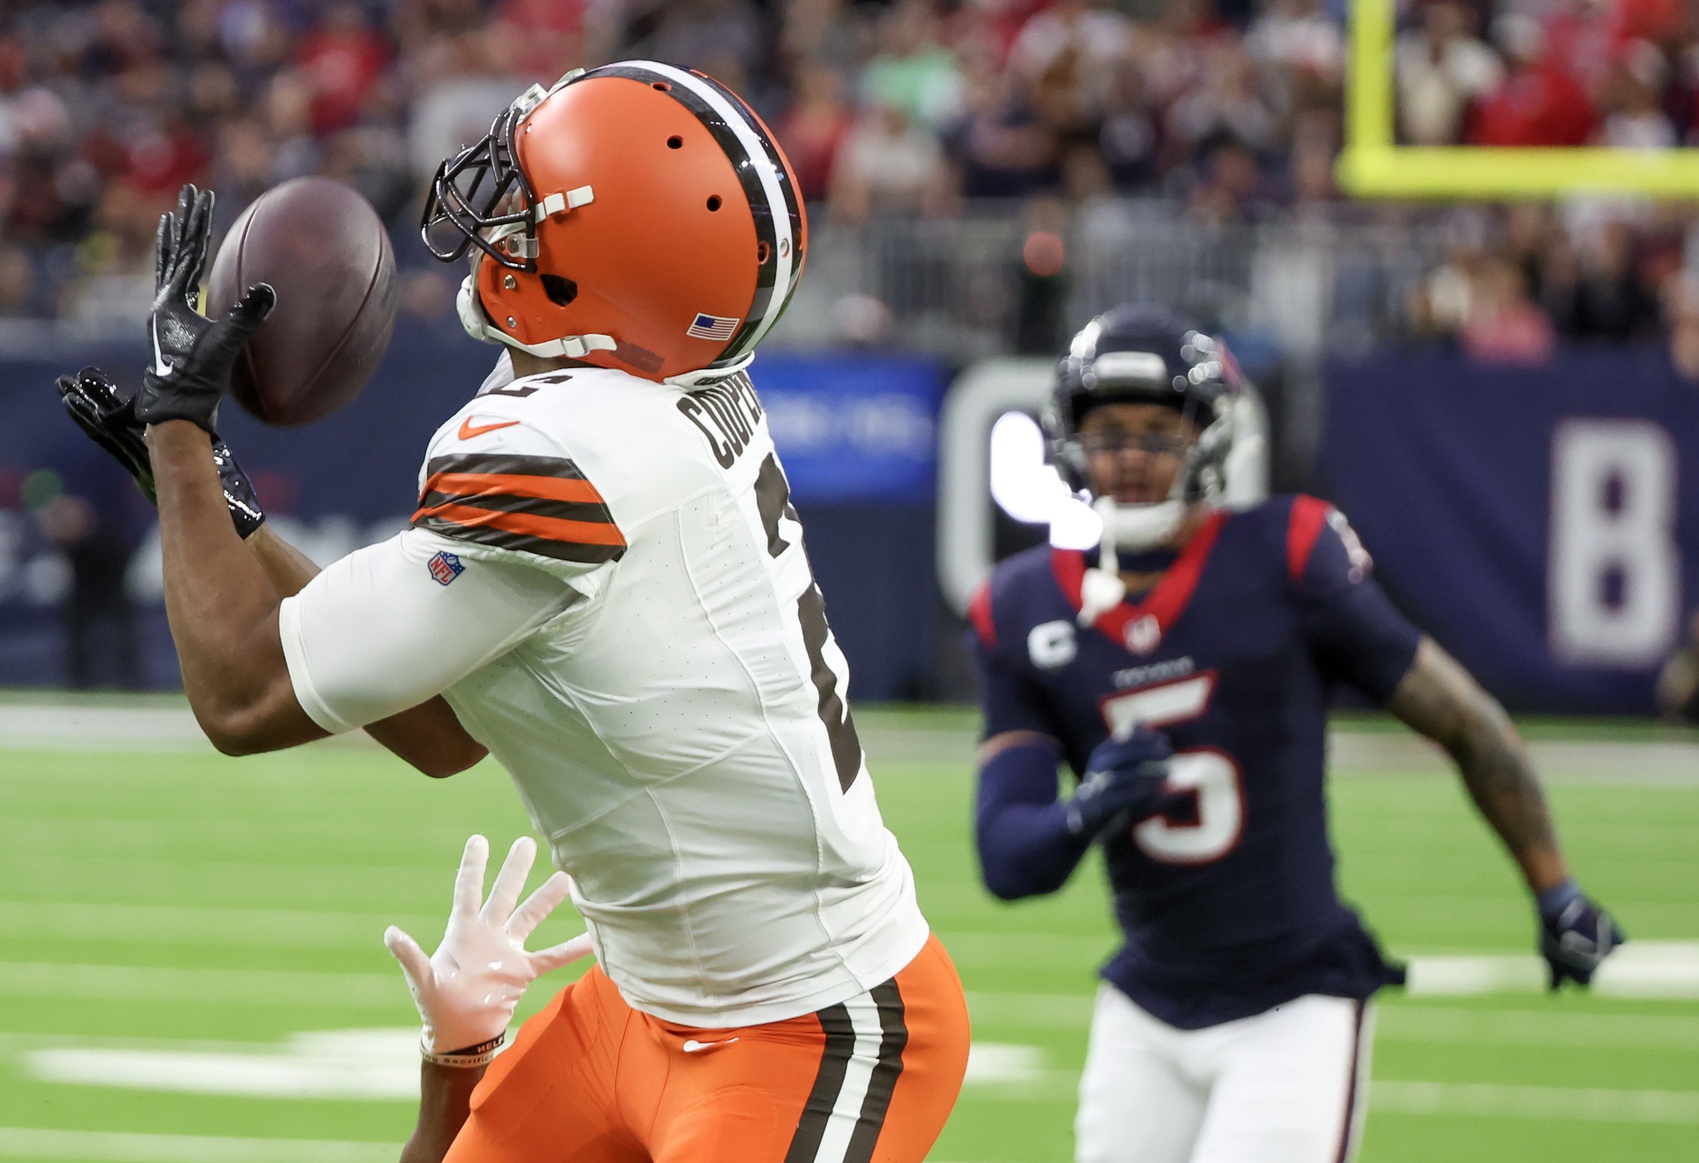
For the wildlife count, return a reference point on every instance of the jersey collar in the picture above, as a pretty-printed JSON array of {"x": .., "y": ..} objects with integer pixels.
[{"x": 1139, "y": 627}]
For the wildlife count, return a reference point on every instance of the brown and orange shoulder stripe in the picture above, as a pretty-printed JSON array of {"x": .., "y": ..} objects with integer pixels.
[{"x": 539, "y": 504}]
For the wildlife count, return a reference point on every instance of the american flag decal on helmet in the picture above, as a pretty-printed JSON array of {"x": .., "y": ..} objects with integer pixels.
[{"x": 712, "y": 327}]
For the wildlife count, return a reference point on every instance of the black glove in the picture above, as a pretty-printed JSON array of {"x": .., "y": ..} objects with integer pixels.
[
  {"x": 1575, "y": 934},
  {"x": 110, "y": 421},
  {"x": 192, "y": 355},
  {"x": 1125, "y": 782}
]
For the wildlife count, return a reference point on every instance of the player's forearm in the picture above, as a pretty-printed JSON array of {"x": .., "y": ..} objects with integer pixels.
[
  {"x": 428, "y": 736},
  {"x": 1441, "y": 700},
  {"x": 287, "y": 568},
  {"x": 1026, "y": 849},
  {"x": 445, "y": 1102},
  {"x": 1020, "y": 827},
  {"x": 221, "y": 606}
]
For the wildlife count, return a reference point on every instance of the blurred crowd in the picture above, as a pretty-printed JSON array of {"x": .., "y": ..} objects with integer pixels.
[
  {"x": 901, "y": 107},
  {"x": 1549, "y": 73},
  {"x": 1616, "y": 73},
  {"x": 1227, "y": 110},
  {"x": 1516, "y": 280}
]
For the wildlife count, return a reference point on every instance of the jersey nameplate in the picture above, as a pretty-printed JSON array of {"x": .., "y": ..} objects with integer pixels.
[{"x": 726, "y": 415}]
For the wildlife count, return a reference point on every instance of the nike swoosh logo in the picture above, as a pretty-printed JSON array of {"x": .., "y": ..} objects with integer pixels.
[
  {"x": 692, "y": 1046},
  {"x": 161, "y": 365},
  {"x": 468, "y": 429}
]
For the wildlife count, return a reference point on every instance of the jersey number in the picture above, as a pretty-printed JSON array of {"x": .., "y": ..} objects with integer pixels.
[
  {"x": 1210, "y": 777},
  {"x": 1213, "y": 779},
  {"x": 773, "y": 499}
]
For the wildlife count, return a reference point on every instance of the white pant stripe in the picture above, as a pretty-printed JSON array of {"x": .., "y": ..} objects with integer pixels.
[{"x": 864, "y": 1018}]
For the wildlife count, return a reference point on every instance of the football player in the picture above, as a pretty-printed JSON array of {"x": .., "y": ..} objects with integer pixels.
[
  {"x": 1183, "y": 669},
  {"x": 605, "y": 586}
]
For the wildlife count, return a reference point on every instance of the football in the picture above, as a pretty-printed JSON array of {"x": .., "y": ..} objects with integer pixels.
[{"x": 324, "y": 249}]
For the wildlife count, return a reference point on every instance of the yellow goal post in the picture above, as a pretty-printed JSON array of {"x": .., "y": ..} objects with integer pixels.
[{"x": 1373, "y": 165}]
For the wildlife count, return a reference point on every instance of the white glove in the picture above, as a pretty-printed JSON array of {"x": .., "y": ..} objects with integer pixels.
[{"x": 467, "y": 991}]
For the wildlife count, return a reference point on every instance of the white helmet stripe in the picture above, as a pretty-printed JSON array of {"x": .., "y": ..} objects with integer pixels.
[{"x": 772, "y": 184}]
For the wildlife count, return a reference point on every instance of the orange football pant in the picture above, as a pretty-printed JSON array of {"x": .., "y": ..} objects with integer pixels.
[{"x": 591, "y": 1080}]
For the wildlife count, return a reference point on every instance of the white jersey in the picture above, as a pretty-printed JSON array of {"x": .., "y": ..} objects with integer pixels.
[{"x": 607, "y": 582}]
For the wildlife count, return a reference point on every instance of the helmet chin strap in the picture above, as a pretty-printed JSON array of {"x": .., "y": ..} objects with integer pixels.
[
  {"x": 476, "y": 322},
  {"x": 1139, "y": 527},
  {"x": 1134, "y": 527}
]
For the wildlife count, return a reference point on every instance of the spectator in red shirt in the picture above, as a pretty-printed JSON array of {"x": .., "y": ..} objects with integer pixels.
[
  {"x": 814, "y": 127},
  {"x": 1537, "y": 102},
  {"x": 342, "y": 59}
]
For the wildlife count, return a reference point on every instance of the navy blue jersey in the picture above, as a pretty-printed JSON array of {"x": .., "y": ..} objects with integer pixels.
[{"x": 1227, "y": 903}]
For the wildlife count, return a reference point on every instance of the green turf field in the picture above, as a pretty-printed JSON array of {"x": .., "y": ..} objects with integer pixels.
[{"x": 184, "y": 936}]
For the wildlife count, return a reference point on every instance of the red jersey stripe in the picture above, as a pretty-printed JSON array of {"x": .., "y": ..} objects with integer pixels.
[
  {"x": 979, "y": 613},
  {"x": 1303, "y": 527}
]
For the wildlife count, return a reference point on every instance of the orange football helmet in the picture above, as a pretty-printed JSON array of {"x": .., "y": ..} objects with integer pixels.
[{"x": 637, "y": 216}]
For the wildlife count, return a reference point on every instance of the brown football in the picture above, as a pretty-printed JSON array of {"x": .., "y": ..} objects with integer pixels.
[{"x": 323, "y": 248}]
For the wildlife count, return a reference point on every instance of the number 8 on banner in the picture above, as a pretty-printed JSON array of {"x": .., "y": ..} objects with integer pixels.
[{"x": 1614, "y": 581}]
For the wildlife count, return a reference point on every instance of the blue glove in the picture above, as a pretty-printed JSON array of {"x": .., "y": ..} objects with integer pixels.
[
  {"x": 1575, "y": 933},
  {"x": 1126, "y": 780}
]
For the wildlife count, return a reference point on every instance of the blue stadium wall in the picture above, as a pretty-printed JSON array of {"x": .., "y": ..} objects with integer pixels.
[
  {"x": 856, "y": 433},
  {"x": 1541, "y": 523}
]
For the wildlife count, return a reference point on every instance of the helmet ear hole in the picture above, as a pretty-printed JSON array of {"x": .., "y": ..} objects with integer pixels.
[
  {"x": 713, "y": 202},
  {"x": 560, "y": 291}
]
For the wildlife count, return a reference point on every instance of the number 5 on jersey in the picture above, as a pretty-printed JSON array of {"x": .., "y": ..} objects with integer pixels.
[{"x": 1209, "y": 775}]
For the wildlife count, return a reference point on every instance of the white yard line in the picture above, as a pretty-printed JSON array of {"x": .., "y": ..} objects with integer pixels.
[
  {"x": 245, "y": 987},
  {"x": 1553, "y": 1103},
  {"x": 120, "y": 1147},
  {"x": 204, "y": 925},
  {"x": 1640, "y": 969},
  {"x": 373, "y": 1065},
  {"x": 58, "y": 724},
  {"x": 1535, "y": 1027},
  {"x": 381, "y": 1065}
]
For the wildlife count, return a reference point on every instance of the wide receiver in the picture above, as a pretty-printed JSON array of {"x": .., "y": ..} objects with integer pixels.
[
  {"x": 605, "y": 586},
  {"x": 1183, "y": 668}
]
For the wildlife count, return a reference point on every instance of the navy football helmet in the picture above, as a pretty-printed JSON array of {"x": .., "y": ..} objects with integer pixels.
[{"x": 1144, "y": 354}]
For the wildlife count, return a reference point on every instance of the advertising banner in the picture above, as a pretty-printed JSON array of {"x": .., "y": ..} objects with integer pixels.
[
  {"x": 79, "y": 548},
  {"x": 1542, "y": 523}
]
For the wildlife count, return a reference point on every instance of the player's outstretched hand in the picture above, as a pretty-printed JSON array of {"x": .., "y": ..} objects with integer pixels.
[
  {"x": 1575, "y": 934},
  {"x": 466, "y": 992},
  {"x": 1125, "y": 782},
  {"x": 109, "y": 419},
  {"x": 192, "y": 355}
]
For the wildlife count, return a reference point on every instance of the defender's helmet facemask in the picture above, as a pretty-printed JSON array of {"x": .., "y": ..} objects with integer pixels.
[{"x": 1136, "y": 354}]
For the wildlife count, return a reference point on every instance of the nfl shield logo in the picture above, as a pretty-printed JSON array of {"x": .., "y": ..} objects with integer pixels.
[
  {"x": 1144, "y": 635},
  {"x": 445, "y": 567}
]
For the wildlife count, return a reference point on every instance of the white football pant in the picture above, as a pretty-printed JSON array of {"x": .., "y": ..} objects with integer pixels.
[{"x": 1286, "y": 1086}]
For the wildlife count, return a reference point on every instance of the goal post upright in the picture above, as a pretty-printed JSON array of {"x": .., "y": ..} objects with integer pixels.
[{"x": 1374, "y": 165}]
